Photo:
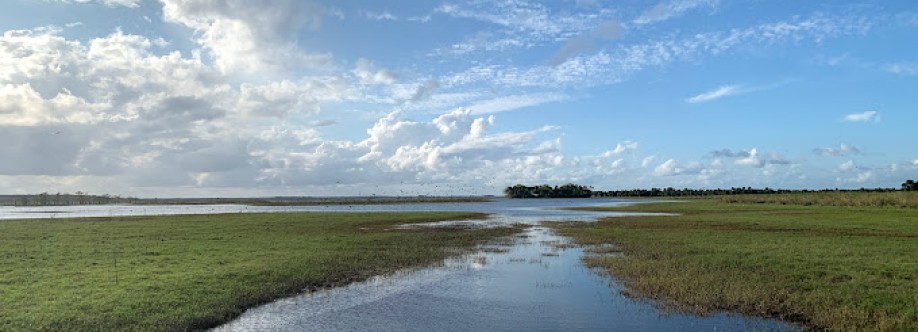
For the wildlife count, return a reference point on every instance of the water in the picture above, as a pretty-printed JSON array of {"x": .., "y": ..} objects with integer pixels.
[
  {"x": 528, "y": 285},
  {"x": 528, "y": 211}
]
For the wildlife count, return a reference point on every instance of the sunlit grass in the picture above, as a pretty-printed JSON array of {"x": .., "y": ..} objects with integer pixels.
[
  {"x": 842, "y": 268},
  {"x": 899, "y": 199},
  {"x": 192, "y": 272}
]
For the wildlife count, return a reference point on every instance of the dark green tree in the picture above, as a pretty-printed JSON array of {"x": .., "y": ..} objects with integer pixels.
[{"x": 910, "y": 185}]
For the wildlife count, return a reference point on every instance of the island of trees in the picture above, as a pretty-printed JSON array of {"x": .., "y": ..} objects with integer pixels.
[{"x": 569, "y": 190}]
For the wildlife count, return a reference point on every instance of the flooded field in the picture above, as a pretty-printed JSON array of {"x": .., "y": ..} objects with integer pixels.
[{"x": 533, "y": 281}]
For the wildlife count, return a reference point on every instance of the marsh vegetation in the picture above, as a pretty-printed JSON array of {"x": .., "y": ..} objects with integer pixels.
[
  {"x": 191, "y": 272},
  {"x": 815, "y": 263}
]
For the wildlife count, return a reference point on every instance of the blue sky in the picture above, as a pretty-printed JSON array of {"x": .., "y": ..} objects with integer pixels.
[{"x": 242, "y": 98}]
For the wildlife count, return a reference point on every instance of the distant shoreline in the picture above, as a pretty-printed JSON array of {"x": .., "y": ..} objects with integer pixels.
[{"x": 74, "y": 200}]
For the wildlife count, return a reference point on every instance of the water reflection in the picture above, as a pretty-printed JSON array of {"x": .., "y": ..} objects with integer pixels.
[
  {"x": 537, "y": 282},
  {"x": 527, "y": 211}
]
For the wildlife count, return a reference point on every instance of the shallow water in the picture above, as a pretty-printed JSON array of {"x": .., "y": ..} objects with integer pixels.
[
  {"x": 529, "y": 284},
  {"x": 528, "y": 211}
]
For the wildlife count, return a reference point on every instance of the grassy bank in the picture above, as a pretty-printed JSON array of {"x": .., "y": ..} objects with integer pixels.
[
  {"x": 843, "y": 268},
  {"x": 191, "y": 272}
]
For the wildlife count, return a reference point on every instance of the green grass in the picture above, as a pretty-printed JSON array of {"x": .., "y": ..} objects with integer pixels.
[
  {"x": 900, "y": 199},
  {"x": 192, "y": 272},
  {"x": 841, "y": 268}
]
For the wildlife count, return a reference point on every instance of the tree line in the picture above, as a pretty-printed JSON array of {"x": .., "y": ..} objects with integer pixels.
[
  {"x": 59, "y": 199},
  {"x": 571, "y": 190}
]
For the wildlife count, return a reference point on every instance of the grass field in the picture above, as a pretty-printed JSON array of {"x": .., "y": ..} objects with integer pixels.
[
  {"x": 841, "y": 268},
  {"x": 898, "y": 199},
  {"x": 192, "y": 272}
]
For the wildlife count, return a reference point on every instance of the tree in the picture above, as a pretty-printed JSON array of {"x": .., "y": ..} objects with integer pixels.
[
  {"x": 910, "y": 185},
  {"x": 569, "y": 190}
]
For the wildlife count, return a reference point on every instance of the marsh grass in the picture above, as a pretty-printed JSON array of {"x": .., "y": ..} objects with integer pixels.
[
  {"x": 174, "y": 273},
  {"x": 897, "y": 199},
  {"x": 840, "y": 268}
]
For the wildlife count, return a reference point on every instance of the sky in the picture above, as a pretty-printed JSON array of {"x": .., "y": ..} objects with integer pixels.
[{"x": 192, "y": 98}]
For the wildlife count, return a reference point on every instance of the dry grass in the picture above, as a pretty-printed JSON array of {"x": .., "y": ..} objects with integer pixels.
[{"x": 899, "y": 199}]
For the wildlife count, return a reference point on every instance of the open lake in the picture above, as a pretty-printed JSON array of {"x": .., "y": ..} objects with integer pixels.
[{"x": 529, "y": 282}]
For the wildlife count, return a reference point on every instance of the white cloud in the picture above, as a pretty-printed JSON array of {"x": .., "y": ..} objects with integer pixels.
[
  {"x": 587, "y": 41},
  {"x": 613, "y": 65},
  {"x": 484, "y": 42},
  {"x": 865, "y": 116},
  {"x": 847, "y": 166},
  {"x": 124, "y": 111},
  {"x": 671, "y": 9},
  {"x": 111, "y": 108},
  {"x": 380, "y": 16},
  {"x": 842, "y": 150},
  {"x": 752, "y": 159},
  {"x": 110, "y": 3},
  {"x": 620, "y": 148},
  {"x": 903, "y": 68},
  {"x": 509, "y": 103},
  {"x": 864, "y": 176},
  {"x": 522, "y": 24},
  {"x": 724, "y": 91},
  {"x": 245, "y": 36},
  {"x": 366, "y": 71},
  {"x": 672, "y": 167}
]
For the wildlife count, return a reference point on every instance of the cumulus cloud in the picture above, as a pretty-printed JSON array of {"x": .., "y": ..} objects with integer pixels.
[
  {"x": 110, "y": 110},
  {"x": 366, "y": 71},
  {"x": 424, "y": 90},
  {"x": 249, "y": 36},
  {"x": 853, "y": 173},
  {"x": 847, "y": 166},
  {"x": 842, "y": 150},
  {"x": 729, "y": 153},
  {"x": 620, "y": 148},
  {"x": 865, "y": 116},
  {"x": 672, "y": 167},
  {"x": 751, "y": 158},
  {"x": 110, "y": 107}
]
